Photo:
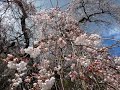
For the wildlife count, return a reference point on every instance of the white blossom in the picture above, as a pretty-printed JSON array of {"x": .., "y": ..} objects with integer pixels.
[
  {"x": 117, "y": 60},
  {"x": 82, "y": 40},
  {"x": 36, "y": 42},
  {"x": 17, "y": 75},
  {"x": 85, "y": 63},
  {"x": 57, "y": 68},
  {"x": 21, "y": 66},
  {"x": 15, "y": 84},
  {"x": 34, "y": 52},
  {"x": 34, "y": 84},
  {"x": 94, "y": 37},
  {"x": 48, "y": 83},
  {"x": 11, "y": 65},
  {"x": 40, "y": 83},
  {"x": 29, "y": 50},
  {"x": 73, "y": 66},
  {"x": 61, "y": 42},
  {"x": 42, "y": 71}
]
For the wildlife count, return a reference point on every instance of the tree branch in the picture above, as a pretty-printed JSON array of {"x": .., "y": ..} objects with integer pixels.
[
  {"x": 23, "y": 23},
  {"x": 87, "y": 17},
  {"x": 91, "y": 15}
]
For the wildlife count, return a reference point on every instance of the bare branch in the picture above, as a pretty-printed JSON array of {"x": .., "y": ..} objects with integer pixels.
[{"x": 23, "y": 23}]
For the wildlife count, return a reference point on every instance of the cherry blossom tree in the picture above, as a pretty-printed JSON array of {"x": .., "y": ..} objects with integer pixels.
[{"x": 62, "y": 57}]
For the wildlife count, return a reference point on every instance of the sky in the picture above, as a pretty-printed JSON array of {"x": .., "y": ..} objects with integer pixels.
[
  {"x": 46, "y": 4},
  {"x": 106, "y": 31}
]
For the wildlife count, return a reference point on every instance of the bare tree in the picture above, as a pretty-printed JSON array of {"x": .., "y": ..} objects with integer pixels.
[{"x": 20, "y": 11}]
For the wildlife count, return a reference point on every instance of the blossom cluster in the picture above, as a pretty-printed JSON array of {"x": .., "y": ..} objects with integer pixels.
[{"x": 44, "y": 79}]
